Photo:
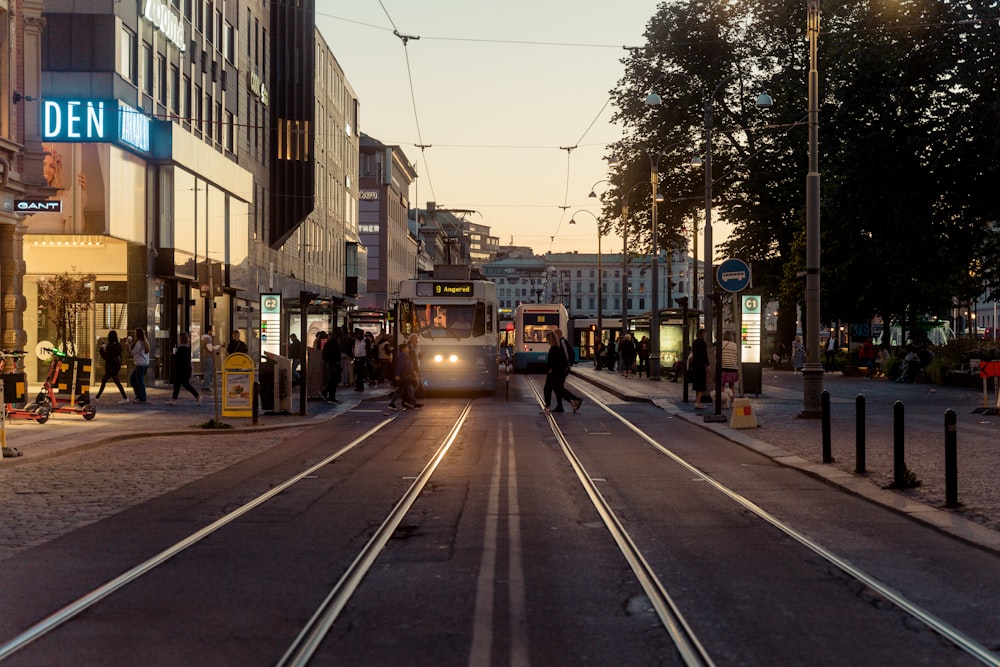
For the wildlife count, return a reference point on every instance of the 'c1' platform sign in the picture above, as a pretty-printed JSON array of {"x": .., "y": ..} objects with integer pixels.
[{"x": 733, "y": 275}]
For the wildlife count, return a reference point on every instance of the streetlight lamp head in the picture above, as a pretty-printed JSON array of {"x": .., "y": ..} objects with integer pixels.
[
  {"x": 572, "y": 221},
  {"x": 660, "y": 198},
  {"x": 764, "y": 100},
  {"x": 696, "y": 161},
  {"x": 653, "y": 100},
  {"x": 613, "y": 161},
  {"x": 592, "y": 194}
]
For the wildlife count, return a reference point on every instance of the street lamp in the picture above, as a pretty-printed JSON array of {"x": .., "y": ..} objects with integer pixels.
[
  {"x": 625, "y": 253},
  {"x": 812, "y": 371},
  {"x": 600, "y": 270},
  {"x": 654, "y": 320},
  {"x": 763, "y": 101}
]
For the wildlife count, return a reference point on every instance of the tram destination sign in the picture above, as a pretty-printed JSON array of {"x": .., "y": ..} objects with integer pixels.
[{"x": 453, "y": 289}]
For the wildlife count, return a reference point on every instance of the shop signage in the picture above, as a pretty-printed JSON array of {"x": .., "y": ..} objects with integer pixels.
[
  {"x": 36, "y": 206},
  {"x": 110, "y": 121},
  {"x": 166, "y": 20},
  {"x": 369, "y": 195},
  {"x": 257, "y": 87}
]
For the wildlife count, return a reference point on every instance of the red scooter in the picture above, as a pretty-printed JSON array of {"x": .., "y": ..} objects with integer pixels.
[
  {"x": 47, "y": 397},
  {"x": 35, "y": 411}
]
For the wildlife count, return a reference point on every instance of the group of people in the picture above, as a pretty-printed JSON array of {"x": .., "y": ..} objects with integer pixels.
[
  {"x": 181, "y": 368},
  {"x": 630, "y": 358},
  {"x": 558, "y": 363},
  {"x": 111, "y": 351}
]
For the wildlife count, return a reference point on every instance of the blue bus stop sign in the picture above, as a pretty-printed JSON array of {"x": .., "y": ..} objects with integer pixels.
[{"x": 733, "y": 275}]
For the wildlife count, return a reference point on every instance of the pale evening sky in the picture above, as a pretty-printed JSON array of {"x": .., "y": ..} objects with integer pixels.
[{"x": 500, "y": 90}]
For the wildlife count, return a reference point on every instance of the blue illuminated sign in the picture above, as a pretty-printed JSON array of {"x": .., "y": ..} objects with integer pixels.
[{"x": 110, "y": 121}]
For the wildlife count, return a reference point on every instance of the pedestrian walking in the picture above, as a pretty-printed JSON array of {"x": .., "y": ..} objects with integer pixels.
[
  {"x": 181, "y": 368},
  {"x": 331, "y": 361},
  {"x": 798, "y": 354},
  {"x": 236, "y": 344},
  {"x": 140, "y": 355},
  {"x": 831, "y": 351},
  {"x": 360, "y": 348},
  {"x": 643, "y": 355},
  {"x": 867, "y": 355},
  {"x": 208, "y": 351},
  {"x": 626, "y": 349},
  {"x": 730, "y": 362},
  {"x": 295, "y": 354},
  {"x": 699, "y": 368},
  {"x": 405, "y": 377},
  {"x": 557, "y": 368},
  {"x": 111, "y": 352}
]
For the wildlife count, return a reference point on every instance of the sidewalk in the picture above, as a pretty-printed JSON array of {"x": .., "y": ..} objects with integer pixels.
[
  {"x": 791, "y": 441},
  {"x": 65, "y": 432}
]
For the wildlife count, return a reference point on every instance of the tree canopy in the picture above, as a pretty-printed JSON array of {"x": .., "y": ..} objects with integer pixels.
[{"x": 907, "y": 146}]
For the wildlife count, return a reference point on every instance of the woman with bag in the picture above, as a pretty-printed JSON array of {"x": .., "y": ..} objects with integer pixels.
[
  {"x": 730, "y": 362},
  {"x": 140, "y": 355},
  {"x": 111, "y": 352}
]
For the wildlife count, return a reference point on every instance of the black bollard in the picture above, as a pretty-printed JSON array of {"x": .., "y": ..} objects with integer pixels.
[
  {"x": 898, "y": 447},
  {"x": 255, "y": 401},
  {"x": 950, "y": 459},
  {"x": 825, "y": 405},
  {"x": 859, "y": 435}
]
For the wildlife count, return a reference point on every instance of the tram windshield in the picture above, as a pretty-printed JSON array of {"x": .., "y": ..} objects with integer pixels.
[{"x": 449, "y": 320}]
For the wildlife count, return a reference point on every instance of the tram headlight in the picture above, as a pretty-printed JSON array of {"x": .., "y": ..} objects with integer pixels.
[
  {"x": 440, "y": 358},
  {"x": 453, "y": 358}
]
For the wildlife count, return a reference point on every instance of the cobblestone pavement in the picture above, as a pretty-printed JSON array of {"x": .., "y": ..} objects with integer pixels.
[
  {"x": 61, "y": 494},
  {"x": 62, "y": 482}
]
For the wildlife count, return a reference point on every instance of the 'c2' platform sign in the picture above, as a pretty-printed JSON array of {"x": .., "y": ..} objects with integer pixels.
[{"x": 733, "y": 275}]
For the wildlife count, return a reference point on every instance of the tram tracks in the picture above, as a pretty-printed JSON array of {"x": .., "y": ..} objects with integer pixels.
[
  {"x": 323, "y": 618},
  {"x": 689, "y": 647}
]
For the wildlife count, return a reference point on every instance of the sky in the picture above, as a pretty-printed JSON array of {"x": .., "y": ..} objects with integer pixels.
[{"x": 498, "y": 94}]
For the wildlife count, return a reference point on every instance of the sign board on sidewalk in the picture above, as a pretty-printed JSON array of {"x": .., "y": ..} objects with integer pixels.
[
  {"x": 270, "y": 323},
  {"x": 237, "y": 386}
]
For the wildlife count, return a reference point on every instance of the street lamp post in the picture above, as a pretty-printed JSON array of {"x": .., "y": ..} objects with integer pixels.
[
  {"x": 600, "y": 270},
  {"x": 625, "y": 254},
  {"x": 812, "y": 371}
]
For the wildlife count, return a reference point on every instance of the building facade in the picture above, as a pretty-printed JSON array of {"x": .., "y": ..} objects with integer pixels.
[
  {"x": 384, "y": 209},
  {"x": 191, "y": 156}
]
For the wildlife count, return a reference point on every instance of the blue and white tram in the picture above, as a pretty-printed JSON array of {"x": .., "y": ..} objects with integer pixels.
[
  {"x": 456, "y": 325},
  {"x": 532, "y": 321}
]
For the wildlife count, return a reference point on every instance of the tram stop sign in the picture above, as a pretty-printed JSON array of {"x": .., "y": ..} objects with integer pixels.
[{"x": 733, "y": 275}]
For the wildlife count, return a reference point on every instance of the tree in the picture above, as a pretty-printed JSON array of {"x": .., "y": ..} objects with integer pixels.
[{"x": 66, "y": 298}]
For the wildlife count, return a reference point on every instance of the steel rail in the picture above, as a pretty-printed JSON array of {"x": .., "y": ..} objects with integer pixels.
[
  {"x": 691, "y": 650},
  {"x": 73, "y": 609},
  {"x": 957, "y": 637},
  {"x": 312, "y": 634}
]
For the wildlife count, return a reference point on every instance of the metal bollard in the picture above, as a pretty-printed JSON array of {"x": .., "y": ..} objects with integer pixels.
[
  {"x": 255, "y": 401},
  {"x": 898, "y": 447},
  {"x": 859, "y": 435},
  {"x": 825, "y": 406},
  {"x": 950, "y": 459}
]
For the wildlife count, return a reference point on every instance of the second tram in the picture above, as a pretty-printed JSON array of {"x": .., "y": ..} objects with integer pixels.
[
  {"x": 532, "y": 321},
  {"x": 456, "y": 325}
]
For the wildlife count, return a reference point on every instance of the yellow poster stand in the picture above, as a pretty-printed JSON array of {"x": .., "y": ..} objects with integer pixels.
[{"x": 237, "y": 386}]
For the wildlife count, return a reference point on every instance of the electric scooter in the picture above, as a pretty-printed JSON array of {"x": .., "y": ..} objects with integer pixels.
[
  {"x": 34, "y": 411},
  {"x": 48, "y": 398}
]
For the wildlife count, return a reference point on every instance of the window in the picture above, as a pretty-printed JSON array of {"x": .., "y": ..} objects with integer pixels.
[
  {"x": 126, "y": 55},
  {"x": 642, "y": 304},
  {"x": 199, "y": 118},
  {"x": 579, "y": 303},
  {"x": 230, "y": 133},
  {"x": 591, "y": 273},
  {"x": 229, "y": 43},
  {"x": 175, "y": 89},
  {"x": 591, "y": 303},
  {"x": 186, "y": 99},
  {"x": 147, "y": 68},
  {"x": 161, "y": 74},
  {"x": 579, "y": 273}
]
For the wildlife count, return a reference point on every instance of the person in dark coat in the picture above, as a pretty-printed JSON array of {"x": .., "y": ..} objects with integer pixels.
[
  {"x": 182, "y": 368},
  {"x": 405, "y": 377},
  {"x": 111, "y": 352},
  {"x": 557, "y": 368},
  {"x": 331, "y": 360},
  {"x": 236, "y": 345},
  {"x": 699, "y": 368}
]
